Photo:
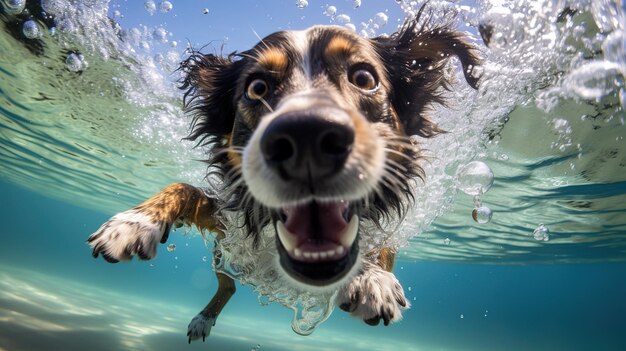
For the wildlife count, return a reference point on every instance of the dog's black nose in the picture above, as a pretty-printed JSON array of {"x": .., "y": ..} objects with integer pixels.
[{"x": 308, "y": 145}]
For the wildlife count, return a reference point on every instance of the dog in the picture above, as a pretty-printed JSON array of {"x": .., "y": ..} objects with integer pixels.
[{"x": 309, "y": 132}]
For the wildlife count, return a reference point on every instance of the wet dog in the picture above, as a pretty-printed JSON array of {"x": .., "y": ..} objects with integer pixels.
[{"x": 310, "y": 137}]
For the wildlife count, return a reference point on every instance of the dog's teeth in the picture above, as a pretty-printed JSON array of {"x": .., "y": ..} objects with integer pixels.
[
  {"x": 315, "y": 255},
  {"x": 330, "y": 253},
  {"x": 323, "y": 255},
  {"x": 339, "y": 250},
  {"x": 349, "y": 235},
  {"x": 297, "y": 252},
  {"x": 306, "y": 254},
  {"x": 287, "y": 239}
]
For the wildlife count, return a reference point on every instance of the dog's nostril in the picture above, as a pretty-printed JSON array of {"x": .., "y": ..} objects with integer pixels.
[
  {"x": 336, "y": 143},
  {"x": 279, "y": 150}
]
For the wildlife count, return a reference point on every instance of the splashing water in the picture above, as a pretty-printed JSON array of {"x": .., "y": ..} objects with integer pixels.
[{"x": 535, "y": 57}]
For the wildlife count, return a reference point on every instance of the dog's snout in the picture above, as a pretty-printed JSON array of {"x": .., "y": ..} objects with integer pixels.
[{"x": 308, "y": 145}]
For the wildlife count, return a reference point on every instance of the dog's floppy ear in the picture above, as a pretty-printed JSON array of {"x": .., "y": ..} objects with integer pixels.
[
  {"x": 209, "y": 84},
  {"x": 415, "y": 57}
]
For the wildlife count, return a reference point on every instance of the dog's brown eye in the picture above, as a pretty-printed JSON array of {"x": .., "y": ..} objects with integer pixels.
[
  {"x": 363, "y": 79},
  {"x": 257, "y": 89}
]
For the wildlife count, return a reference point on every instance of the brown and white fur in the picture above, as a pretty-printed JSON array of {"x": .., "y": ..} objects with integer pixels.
[{"x": 310, "y": 137}]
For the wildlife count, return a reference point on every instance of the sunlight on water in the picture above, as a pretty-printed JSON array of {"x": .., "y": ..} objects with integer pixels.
[{"x": 99, "y": 122}]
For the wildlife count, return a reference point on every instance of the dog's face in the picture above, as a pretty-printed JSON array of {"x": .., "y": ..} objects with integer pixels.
[{"x": 311, "y": 128}]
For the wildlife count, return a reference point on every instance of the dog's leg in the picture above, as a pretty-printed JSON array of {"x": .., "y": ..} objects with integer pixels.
[
  {"x": 374, "y": 293},
  {"x": 139, "y": 230},
  {"x": 200, "y": 325}
]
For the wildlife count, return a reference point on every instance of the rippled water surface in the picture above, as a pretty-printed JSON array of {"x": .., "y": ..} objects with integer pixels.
[{"x": 91, "y": 123}]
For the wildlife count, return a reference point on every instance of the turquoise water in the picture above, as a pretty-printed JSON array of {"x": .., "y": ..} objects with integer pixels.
[{"x": 77, "y": 146}]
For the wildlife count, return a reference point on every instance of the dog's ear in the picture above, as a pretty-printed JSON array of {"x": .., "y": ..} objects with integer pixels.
[
  {"x": 415, "y": 57},
  {"x": 209, "y": 83}
]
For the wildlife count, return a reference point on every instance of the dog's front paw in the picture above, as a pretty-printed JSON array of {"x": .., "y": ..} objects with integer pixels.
[
  {"x": 200, "y": 327},
  {"x": 128, "y": 234},
  {"x": 372, "y": 295}
]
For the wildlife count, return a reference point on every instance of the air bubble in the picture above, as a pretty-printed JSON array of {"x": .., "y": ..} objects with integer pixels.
[
  {"x": 380, "y": 19},
  {"x": 356, "y": 4},
  {"x": 31, "y": 30},
  {"x": 330, "y": 11},
  {"x": 165, "y": 6},
  {"x": 541, "y": 233},
  {"x": 446, "y": 241},
  {"x": 150, "y": 7},
  {"x": 482, "y": 214},
  {"x": 75, "y": 62},
  {"x": 301, "y": 4},
  {"x": 171, "y": 247},
  {"x": 475, "y": 178},
  {"x": 14, "y": 7},
  {"x": 205, "y": 11},
  {"x": 205, "y": 259},
  {"x": 350, "y": 26},
  {"x": 342, "y": 19}
]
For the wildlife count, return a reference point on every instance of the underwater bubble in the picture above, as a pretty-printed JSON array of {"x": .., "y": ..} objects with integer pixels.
[
  {"x": 117, "y": 13},
  {"x": 171, "y": 247},
  {"x": 14, "y": 7},
  {"x": 205, "y": 11},
  {"x": 622, "y": 98},
  {"x": 356, "y": 4},
  {"x": 446, "y": 241},
  {"x": 150, "y": 7},
  {"x": 541, "y": 233},
  {"x": 173, "y": 44},
  {"x": 380, "y": 19},
  {"x": 75, "y": 62},
  {"x": 31, "y": 30},
  {"x": 330, "y": 10},
  {"x": 205, "y": 259},
  {"x": 52, "y": 6},
  {"x": 342, "y": 19},
  {"x": 350, "y": 26},
  {"x": 165, "y": 6},
  {"x": 475, "y": 178},
  {"x": 482, "y": 214},
  {"x": 302, "y": 4}
]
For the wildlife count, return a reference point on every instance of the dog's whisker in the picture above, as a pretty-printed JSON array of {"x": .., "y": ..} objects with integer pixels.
[{"x": 266, "y": 104}]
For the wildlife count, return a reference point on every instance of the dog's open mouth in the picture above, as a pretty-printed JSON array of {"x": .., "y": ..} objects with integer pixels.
[{"x": 317, "y": 242}]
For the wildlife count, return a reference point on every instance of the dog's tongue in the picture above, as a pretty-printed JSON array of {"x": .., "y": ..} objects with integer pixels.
[{"x": 319, "y": 221}]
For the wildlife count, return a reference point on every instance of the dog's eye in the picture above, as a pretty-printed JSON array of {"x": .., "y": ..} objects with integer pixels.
[
  {"x": 257, "y": 89},
  {"x": 363, "y": 79}
]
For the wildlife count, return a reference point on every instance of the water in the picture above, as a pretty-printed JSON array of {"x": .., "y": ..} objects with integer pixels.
[{"x": 91, "y": 124}]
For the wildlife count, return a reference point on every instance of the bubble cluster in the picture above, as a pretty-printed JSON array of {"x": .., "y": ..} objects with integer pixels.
[{"x": 301, "y": 4}]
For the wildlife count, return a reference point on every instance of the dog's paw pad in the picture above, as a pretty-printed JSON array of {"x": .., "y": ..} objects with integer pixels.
[
  {"x": 372, "y": 296},
  {"x": 128, "y": 234},
  {"x": 200, "y": 327}
]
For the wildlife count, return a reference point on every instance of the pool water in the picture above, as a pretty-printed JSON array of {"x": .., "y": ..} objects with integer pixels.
[{"x": 91, "y": 124}]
